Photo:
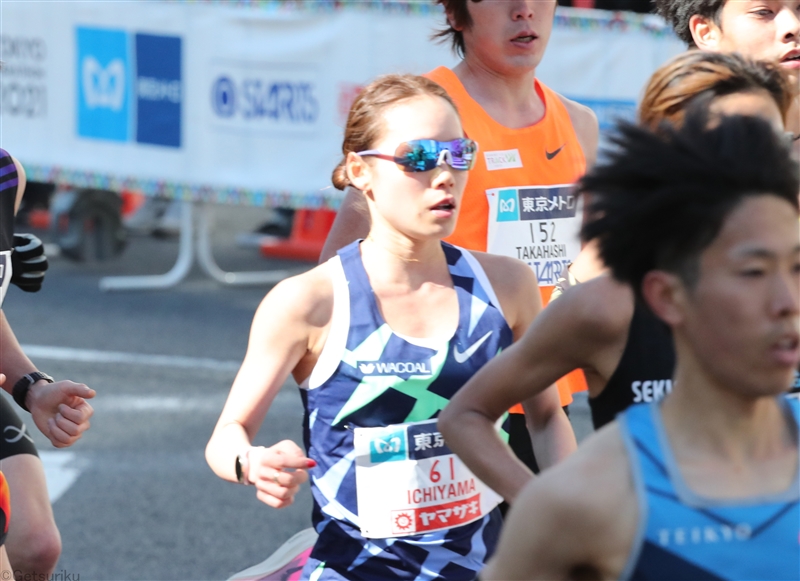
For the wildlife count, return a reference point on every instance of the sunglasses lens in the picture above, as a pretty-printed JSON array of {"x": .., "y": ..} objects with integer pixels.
[
  {"x": 424, "y": 154},
  {"x": 417, "y": 155},
  {"x": 462, "y": 153}
]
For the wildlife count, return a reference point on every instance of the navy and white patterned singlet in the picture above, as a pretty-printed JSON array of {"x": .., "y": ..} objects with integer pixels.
[{"x": 369, "y": 376}]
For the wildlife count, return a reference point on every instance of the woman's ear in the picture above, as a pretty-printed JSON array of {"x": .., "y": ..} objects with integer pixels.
[
  {"x": 451, "y": 21},
  {"x": 358, "y": 172},
  {"x": 665, "y": 294},
  {"x": 705, "y": 32}
]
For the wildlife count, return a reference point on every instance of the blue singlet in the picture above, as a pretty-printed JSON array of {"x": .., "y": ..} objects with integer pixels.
[{"x": 682, "y": 536}]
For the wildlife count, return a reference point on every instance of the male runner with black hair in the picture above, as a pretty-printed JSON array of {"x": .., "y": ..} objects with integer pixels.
[
  {"x": 703, "y": 225},
  {"x": 766, "y": 30}
]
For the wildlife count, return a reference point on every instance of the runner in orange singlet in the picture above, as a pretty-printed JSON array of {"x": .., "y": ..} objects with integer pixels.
[
  {"x": 548, "y": 153},
  {"x": 531, "y": 141}
]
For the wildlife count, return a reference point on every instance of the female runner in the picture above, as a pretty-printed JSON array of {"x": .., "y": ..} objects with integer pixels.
[{"x": 379, "y": 338}]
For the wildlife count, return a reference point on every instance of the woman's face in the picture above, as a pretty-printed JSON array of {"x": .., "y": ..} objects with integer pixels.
[
  {"x": 420, "y": 205},
  {"x": 753, "y": 103}
]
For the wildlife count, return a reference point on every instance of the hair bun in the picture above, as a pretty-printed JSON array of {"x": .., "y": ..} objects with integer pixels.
[{"x": 339, "y": 176}]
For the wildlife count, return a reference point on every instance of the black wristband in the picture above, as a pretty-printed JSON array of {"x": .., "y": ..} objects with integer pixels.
[{"x": 21, "y": 388}]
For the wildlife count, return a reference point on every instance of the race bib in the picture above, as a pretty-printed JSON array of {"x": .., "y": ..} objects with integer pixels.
[
  {"x": 409, "y": 482},
  {"x": 5, "y": 274},
  {"x": 539, "y": 225}
]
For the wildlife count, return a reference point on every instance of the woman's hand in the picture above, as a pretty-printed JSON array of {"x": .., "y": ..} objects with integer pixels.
[{"x": 277, "y": 472}]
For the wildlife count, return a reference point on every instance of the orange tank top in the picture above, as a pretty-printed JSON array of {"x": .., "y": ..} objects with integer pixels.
[{"x": 518, "y": 200}]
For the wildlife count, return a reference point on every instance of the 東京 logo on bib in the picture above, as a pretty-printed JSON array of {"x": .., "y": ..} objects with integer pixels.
[{"x": 389, "y": 446}]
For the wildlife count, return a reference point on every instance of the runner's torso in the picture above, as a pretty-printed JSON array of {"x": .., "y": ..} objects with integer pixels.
[
  {"x": 369, "y": 377},
  {"x": 512, "y": 159},
  {"x": 684, "y": 536},
  {"x": 512, "y": 204},
  {"x": 644, "y": 372}
]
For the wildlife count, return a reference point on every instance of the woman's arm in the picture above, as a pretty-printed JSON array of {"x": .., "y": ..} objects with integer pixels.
[{"x": 286, "y": 326}]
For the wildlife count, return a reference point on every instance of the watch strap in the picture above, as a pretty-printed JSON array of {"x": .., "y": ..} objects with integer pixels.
[
  {"x": 21, "y": 388},
  {"x": 239, "y": 466}
]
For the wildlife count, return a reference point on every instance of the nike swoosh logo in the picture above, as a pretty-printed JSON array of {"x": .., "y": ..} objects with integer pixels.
[
  {"x": 555, "y": 153},
  {"x": 462, "y": 357}
]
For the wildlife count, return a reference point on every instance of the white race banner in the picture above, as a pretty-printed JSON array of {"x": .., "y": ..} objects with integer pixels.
[{"x": 245, "y": 104}]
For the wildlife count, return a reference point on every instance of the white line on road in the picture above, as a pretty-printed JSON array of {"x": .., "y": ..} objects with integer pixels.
[
  {"x": 61, "y": 472},
  {"x": 94, "y": 356},
  {"x": 135, "y": 403},
  {"x": 286, "y": 399}
]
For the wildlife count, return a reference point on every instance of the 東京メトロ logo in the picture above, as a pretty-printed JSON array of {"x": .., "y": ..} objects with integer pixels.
[{"x": 122, "y": 101}]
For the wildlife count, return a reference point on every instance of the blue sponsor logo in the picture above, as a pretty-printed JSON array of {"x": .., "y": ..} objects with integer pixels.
[
  {"x": 223, "y": 97},
  {"x": 507, "y": 206},
  {"x": 103, "y": 91},
  {"x": 388, "y": 446},
  {"x": 158, "y": 90},
  {"x": 276, "y": 100},
  {"x": 547, "y": 203},
  {"x": 120, "y": 103}
]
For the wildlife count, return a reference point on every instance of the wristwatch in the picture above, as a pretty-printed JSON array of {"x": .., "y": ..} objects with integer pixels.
[
  {"x": 239, "y": 467},
  {"x": 21, "y": 388}
]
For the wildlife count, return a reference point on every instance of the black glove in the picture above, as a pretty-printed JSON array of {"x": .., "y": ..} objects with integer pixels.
[{"x": 28, "y": 262}]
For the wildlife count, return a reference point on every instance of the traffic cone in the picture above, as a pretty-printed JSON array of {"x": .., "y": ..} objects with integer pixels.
[{"x": 310, "y": 228}]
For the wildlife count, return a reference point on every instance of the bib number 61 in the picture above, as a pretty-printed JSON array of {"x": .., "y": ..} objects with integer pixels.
[{"x": 435, "y": 476}]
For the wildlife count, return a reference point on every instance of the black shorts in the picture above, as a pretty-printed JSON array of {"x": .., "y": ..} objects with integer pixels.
[{"x": 14, "y": 436}]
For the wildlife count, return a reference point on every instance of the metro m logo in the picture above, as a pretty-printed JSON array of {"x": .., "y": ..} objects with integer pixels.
[
  {"x": 507, "y": 206},
  {"x": 103, "y": 102}
]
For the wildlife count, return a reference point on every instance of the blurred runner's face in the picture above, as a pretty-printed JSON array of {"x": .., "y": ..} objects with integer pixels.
[
  {"x": 741, "y": 318},
  {"x": 763, "y": 30},
  {"x": 508, "y": 35},
  {"x": 418, "y": 204},
  {"x": 755, "y": 104}
]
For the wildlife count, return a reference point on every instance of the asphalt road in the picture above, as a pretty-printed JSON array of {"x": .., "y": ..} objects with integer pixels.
[{"x": 134, "y": 499}]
